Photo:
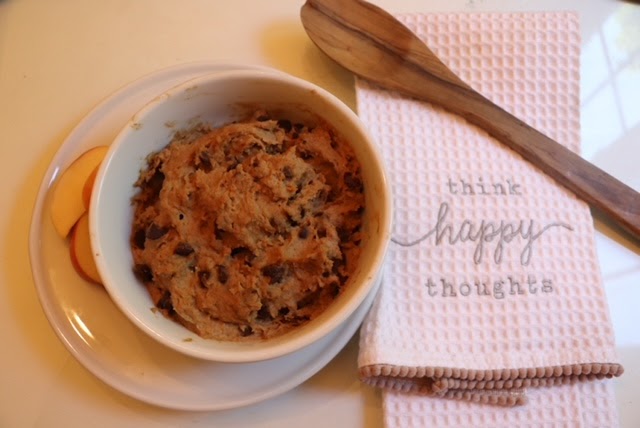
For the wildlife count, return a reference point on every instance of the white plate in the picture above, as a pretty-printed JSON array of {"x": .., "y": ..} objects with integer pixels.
[{"x": 104, "y": 341}]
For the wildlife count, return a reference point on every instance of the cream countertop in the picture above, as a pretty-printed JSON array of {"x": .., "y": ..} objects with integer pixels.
[{"x": 58, "y": 59}]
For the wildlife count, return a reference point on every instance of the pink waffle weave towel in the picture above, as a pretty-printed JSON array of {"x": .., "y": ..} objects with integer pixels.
[{"x": 492, "y": 283}]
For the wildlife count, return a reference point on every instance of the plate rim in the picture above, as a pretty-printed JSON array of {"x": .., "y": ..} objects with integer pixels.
[{"x": 64, "y": 154}]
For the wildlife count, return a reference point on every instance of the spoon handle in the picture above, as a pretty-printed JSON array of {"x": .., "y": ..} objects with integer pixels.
[
  {"x": 374, "y": 45},
  {"x": 599, "y": 189}
]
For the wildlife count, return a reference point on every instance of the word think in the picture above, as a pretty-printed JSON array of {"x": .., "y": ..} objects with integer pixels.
[{"x": 465, "y": 188}]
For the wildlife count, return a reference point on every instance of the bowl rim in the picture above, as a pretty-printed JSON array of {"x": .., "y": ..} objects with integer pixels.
[{"x": 248, "y": 353}]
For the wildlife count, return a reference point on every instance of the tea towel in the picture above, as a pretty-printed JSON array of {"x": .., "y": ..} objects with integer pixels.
[{"x": 492, "y": 294}]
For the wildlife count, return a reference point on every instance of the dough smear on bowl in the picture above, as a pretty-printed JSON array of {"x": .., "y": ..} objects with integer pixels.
[{"x": 248, "y": 230}]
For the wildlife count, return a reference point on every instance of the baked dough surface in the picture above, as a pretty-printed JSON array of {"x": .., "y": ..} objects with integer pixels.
[{"x": 246, "y": 231}]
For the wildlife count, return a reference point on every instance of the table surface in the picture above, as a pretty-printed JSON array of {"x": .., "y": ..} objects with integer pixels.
[{"x": 58, "y": 59}]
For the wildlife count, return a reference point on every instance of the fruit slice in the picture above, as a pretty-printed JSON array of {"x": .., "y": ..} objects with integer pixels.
[
  {"x": 81, "y": 252},
  {"x": 66, "y": 204},
  {"x": 87, "y": 189}
]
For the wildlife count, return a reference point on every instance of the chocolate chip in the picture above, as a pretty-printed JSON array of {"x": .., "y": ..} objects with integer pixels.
[
  {"x": 343, "y": 278},
  {"x": 143, "y": 273},
  {"x": 332, "y": 196},
  {"x": 154, "y": 185},
  {"x": 219, "y": 233},
  {"x": 305, "y": 155},
  {"x": 139, "y": 238},
  {"x": 308, "y": 299},
  {"x": 240, "y": 251},
  {"x": 203, "y": 277},
  {"x": 249, "y": 151},
  {"x": 204, "y": 162},
  {"x": 165, "y": 302},
  {"x": 287, "y": 172},
  {"x": 285, "y": 124},
  {"x": 262, "y": 118},
  {"x": 283, "y": 311},
  {"x": 156, "y": 232},
  {"x": 291, "y": 221},
  {"x": 303, "y": 233},
  {"x": 245, "y": 330},
  {"x": 334, "y": 289},
  {"x": 264, "y": 314},
  {"x": 183, "y": 249},
  {"x": 275, "y": 273},
  {"x": 334, "y": 142},
  {"x": 337, "y": 264},
  {"x": 181, "y": 216},
  {"x": 320, "y": 198},
  {"x": 353, "y": 182},
  {"x": 273, "y": 149},
  {"x": 223, "y": 274},
  {"x": 344, "y": 234}
]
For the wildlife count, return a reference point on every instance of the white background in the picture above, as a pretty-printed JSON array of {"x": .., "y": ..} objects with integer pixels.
[{"x": 59, "y": 58}]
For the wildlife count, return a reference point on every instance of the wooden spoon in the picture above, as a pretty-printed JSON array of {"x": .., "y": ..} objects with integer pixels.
[{"x": 375, "y": 46}]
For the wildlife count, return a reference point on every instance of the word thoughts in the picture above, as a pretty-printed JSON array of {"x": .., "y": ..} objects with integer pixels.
[{"x": 498, "y": 288}]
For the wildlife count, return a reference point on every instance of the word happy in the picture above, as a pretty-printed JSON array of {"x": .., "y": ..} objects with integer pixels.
[{"x": 483, "y": 233}]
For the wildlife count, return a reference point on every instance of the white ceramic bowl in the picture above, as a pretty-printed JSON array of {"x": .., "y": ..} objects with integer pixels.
[{"x": 219, "y": 98}]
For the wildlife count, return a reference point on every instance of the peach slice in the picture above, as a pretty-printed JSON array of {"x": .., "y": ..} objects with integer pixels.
[
  {"x": 87, "y": 189},
  {"x": 81, "y": 252},
  {"x": 67, "y": 202}
]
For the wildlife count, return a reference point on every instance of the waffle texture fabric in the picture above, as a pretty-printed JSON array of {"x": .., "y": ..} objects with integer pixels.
[{"x": 492, "y": 284}]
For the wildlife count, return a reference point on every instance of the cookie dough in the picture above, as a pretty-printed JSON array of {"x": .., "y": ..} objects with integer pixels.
[{"x": 246, "y": 231}]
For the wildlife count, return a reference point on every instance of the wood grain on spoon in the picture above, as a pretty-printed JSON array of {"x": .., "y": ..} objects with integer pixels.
[{"x": 375, "y": 46}]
